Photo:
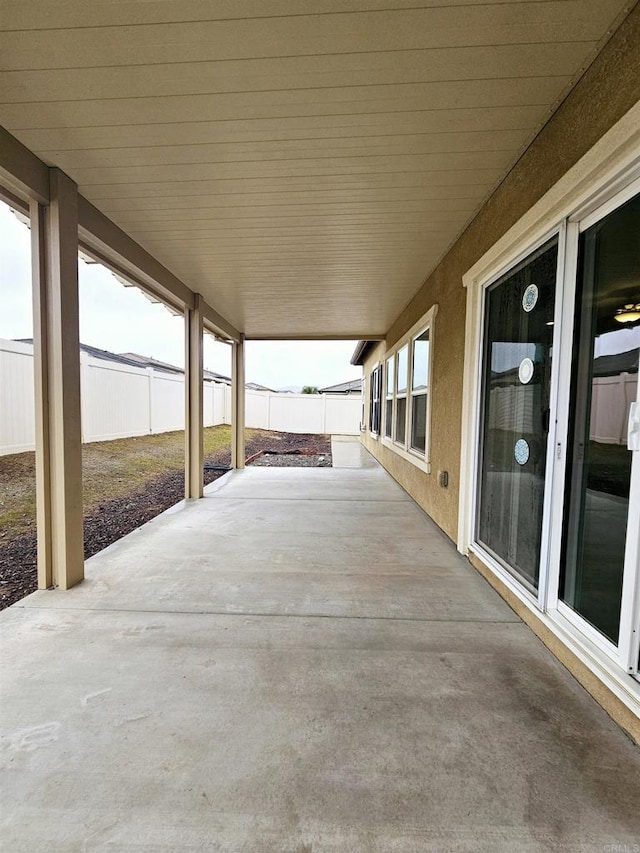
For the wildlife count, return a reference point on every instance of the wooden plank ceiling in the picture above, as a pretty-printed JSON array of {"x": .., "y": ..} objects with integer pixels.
[{"x": 302, "y": 163}]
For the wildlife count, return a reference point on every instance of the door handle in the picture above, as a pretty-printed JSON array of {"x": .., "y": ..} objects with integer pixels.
[{"x": 633, "y": 429}]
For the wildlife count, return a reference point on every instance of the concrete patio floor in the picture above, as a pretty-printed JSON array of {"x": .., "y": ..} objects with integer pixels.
[{"x": 298, "y": 663}]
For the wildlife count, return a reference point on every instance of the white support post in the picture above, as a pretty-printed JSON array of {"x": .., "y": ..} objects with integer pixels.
[
  {"x": 194, "y": 412},
  {"x": 54, "y": 241},
  {"x": 237, "y": 405}
]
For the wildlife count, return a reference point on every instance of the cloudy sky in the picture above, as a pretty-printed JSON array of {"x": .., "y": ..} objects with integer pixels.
[{"x": 121, "y": 319}]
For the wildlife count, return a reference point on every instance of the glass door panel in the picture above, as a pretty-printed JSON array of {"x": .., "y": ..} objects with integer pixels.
[
  {"x": 515, "y": 417},
  {"x": 604, "y": 383}
]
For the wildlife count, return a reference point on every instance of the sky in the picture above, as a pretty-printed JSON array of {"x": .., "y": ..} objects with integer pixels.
[{"x": 121, "y": 319}]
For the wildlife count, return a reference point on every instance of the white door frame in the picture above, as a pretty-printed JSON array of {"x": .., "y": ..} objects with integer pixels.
[
  {"x": 558, "y": 233},
  {"x": 589, "y": 191},
  {"x": 623, "y": 651}
]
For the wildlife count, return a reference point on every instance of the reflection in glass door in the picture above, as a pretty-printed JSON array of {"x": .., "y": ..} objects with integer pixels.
[
  {"x": 604, "y": 384},
  {"x": 515, "y": 413}
]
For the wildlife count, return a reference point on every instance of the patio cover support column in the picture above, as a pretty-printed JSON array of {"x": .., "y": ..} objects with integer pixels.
[
  {"x": 54, "y": 241},
  {"x": 194, "y": 415},
  {"x": 237, "y": 405}
]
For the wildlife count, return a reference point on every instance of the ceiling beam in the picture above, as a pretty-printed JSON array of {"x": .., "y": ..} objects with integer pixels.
[
  {"x": 352, "y": 336},
  {"x": 99, "y": 232},
  {"x": 21, "y": 171},
  {"x": 217, "y": 324},
  {"x": 117, "y": 250},
  {"x": 14, "y": 201},
  {"x": 24, "y": 176}
]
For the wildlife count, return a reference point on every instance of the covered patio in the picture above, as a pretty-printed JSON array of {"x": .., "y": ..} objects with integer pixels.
[
  {"x": 304, "y": 661},
  {"x": 299, "y": 662}
]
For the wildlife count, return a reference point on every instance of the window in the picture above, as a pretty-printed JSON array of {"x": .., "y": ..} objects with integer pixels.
[
  {"x": 407, "y": 398},
  {"x": 388, "y": 415},
  {"x": 419, "y": 385},
  {"x": 401, "y": 394},
  {"x": 375, "y": 405}
]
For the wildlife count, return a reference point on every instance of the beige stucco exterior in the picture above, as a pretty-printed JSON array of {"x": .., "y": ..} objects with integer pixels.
[
  {"x": 606, "y": 92},
  {"x": 608, "y": 89}
]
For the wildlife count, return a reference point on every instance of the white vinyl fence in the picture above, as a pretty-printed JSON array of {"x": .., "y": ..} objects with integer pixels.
[
  {"x": 119, "y": 401},
  {"x": 611, "y": 398},
  {"x": 310, "y": 413},
  {"x": 17, "y": 409}
]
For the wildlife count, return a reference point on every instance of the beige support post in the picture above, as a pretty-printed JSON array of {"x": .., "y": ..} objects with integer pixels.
[
  {"x": 54, "y": 243},
  {"x": 237, "y": 405},
  {"x": 194, "y": 415},
  {"x": 40, "y": 350}
]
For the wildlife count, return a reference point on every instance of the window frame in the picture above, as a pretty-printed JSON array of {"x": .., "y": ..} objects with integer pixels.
[
  {"x": 400, "y": 395},
  {"x": 375, "y": 399},
  {"x": 389, "y": 397},
  {"x": 423, "y": 392},
  {"x": 403, "y": 448}
]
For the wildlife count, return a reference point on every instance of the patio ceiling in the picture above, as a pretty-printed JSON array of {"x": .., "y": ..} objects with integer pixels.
[{"x": 303, "y": 164}]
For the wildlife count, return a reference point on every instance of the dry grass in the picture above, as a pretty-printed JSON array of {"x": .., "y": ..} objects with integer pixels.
[
  {"x": 111, "y": 469},
  {"x": 17, "y": 495}
]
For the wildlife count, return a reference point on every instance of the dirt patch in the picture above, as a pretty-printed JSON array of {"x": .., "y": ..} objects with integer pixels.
[
  {"x": 123, "y": 490},
  {"x": 297, "y": 451},
  {"x": 110, "y": 469},
  {"x": 278, "y": 460}
]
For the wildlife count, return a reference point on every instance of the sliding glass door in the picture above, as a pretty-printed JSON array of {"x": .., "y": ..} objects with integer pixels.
[
  {"x": 604, "y": 386},
  {"x": 515, "y": 415},
  {"x": 558, "y": 476}
]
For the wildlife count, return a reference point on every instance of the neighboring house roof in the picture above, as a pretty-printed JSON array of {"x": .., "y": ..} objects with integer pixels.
[
  {"x": 105, "y": 355},
  {"x": 354, "y": 386},
  {"x": 255, "y": 386},
  {"x": 216, "y": 377},
  {"x": 132, "y": 359},
  {"x": 146, "y": 361},
  {"x": 603, "y": 365},
  {"x": 613, "y": 365}
]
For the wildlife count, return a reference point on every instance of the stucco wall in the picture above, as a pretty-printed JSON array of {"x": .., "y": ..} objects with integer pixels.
[{"x": 607, "y": 90}]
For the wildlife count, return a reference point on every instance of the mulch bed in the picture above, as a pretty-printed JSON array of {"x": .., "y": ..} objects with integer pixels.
[
  {"x": 115, "y": 518},
  {"x": 293, "y": 451},
  {"x": 269, "y": 459}
]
